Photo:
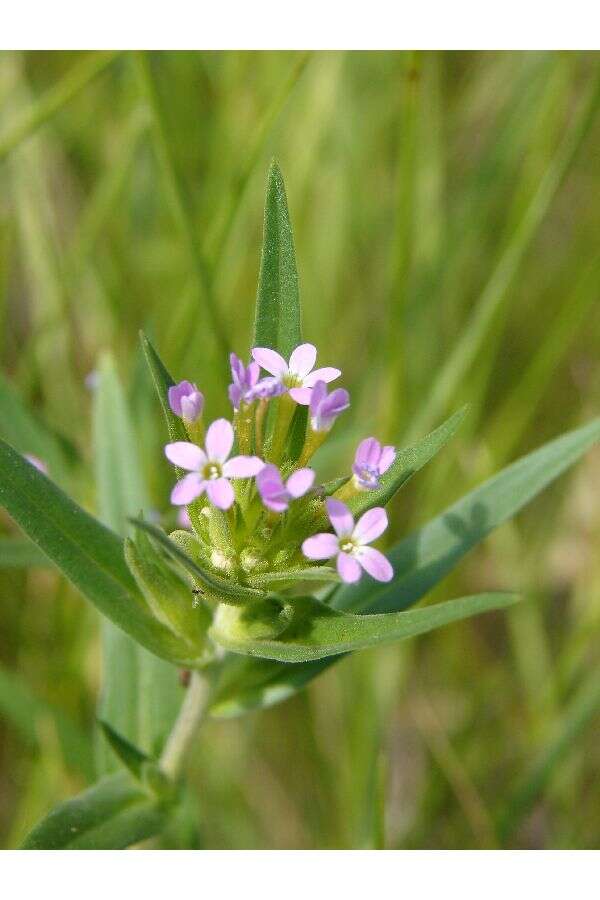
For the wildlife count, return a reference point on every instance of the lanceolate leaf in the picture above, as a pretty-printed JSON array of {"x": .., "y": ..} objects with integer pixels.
[
  {"x": 250, "y": 684},
  {"x": 278, "y": 318},
  {"x": 112, "y": 815},
  {"x": 131, "y": 756},
  {"x": 317, "y": 631},
  {"x": 89, "y": 554},
  {"x": 426, "y": 556},
  {"x": 162, "y": 382}
]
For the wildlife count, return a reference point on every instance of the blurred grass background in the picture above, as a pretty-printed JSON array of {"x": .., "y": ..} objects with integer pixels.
[{"x": 446, "y": 217}]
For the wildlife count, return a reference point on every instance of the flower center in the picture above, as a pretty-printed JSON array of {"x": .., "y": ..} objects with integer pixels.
[
  {"x": 368, "y": 476},
  {"x": 347, "y": 545},
  {"x": 212, "y": 471},
  {"x": 291, "y": 381}
]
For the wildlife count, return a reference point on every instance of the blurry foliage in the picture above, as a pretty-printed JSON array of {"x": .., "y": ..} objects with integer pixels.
[{"x": 435, "y": 197}]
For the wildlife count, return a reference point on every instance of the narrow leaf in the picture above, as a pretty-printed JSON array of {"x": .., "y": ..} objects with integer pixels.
[
  {"x": 89, "y": 554},
  {"x": 16, "y": 553},
  {"x": 131, "y": 756},
  {"x": 112, "y": 815},
  {"x": 162, "y": 382},
  {"x": 317, "y": 631},
  {"x": 278, "y": 317}
]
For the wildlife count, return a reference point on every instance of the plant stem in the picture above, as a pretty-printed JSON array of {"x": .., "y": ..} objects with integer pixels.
[{"x": 184, "y": 730}]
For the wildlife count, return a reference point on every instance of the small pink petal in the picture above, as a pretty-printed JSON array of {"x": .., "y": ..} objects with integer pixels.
[
  {"x": 388, "y": 455},
  {"x": 370, "y": 525},
  {"x": 270, "y": 360},
  {"x": 187, "y": 489},
  {"x": 300, "y": 482},
  {"x": 219, "y": 440},
  {"x": 185, "y": 455},
  {"x": 301, "y": 395},
  {"x": 368, "y": 452},
  {"x": 242, "y": 467},
  {"x": 277, "y": 506},
  {"x": 303, "y": 359},
  {"x": 326, "y": 374},
  {"x": 348, "y": 568},
  {"x": 320, "y": 546},
  {"x": 375, "y": 563},
  {"x": 220, "y": 493},
  {"x": 340, "y": 517}
]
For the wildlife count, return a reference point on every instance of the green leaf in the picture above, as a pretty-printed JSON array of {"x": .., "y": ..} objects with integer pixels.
[
  {"x": 131, "y": 756},
  {"x": 112, "y": 815},
  {"x": 422, "y": 559},
  {"x": 30, "y": 716},
  {"x": 278, "y": 322},
  {"x": 140, "y": 693},
  {"x": 316, "y": 630},
  {"x": 162, "y": 382},
  {"x": 16, "y": 553},
  {"x": 313, "y": 573},
  {"x": 428, "y": 556},
  {"x": 236, "y": 593},
  {"x": 89, "y": 554}
]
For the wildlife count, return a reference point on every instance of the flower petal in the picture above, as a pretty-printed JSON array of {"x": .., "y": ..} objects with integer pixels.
[
  {"x": 303, "y": 359},
  {"x": 320, "y": 546},
  {"x": 187, "y": 489},
  {"x": 270, "y": 360},
  {"x": 242, "y": 467},
  {"x": 300, "y": 482},
  {"x": 220, "y": 493},
  {"x": 185, "y": 455},
  {"x": 348, "y": 568},
  {"x": 368, "y": 452},
  {"x": 317, "y": 395},
  {"x": 340, "y": 517},
  {"x": 388, "y": 455},
  {"x": 176, "y": 392},
  {"x": 375, "y": 563},
  {"x": 370, "y": 525},
  {"x": 326, "y": 374},
  {"x": 219, "y": 440},
  {"x": 301, "y": 395}
]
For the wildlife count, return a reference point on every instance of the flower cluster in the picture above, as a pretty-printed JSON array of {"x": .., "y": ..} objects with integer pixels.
[{"x": 262, "y": 508}]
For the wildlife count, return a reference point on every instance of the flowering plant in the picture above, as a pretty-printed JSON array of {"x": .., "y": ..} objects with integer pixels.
[{"x": 272, "y": 575}]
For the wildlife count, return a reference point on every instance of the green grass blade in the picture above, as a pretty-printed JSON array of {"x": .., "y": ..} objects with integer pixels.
[
  {"x": 583, "y": 710},
  {"x": 140, "y": 693},
  {"x": 55, "y": 98},
  {"x": 29, "y": 714},
  {"x": 112, "y": 815},
  {"x": 278, "y": 315},
  {"x": 474, "y": 334},
  {"x": 317, "y": 631}
]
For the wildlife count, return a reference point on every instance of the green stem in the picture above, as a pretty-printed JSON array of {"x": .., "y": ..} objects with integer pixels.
[{"x": 188, "y": 721}]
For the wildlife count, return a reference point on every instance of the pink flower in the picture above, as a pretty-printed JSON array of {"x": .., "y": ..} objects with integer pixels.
[
  {"x": 275, "y": 494},
  {"x": 370, "y": 462},
  {"x": 297, "y": 376},
  {"x": 186, "y": 401},
  {"x": 325, "y": 408},
  {"x": 246, "y": 387},
  {"x": 349, "y": 543},
  {"x": 183, "y": 518},
  {"x": 210, "y": 469}
]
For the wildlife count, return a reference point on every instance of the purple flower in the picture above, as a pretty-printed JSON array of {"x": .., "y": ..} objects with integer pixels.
[
  {"x": 37, "y": 462},
  {"x": 349, "y": 542},
  {"x": 275, "y": 494},
  {"x": 297, "y": 376},
  {"x": 370, "y": 462},
  {"x": 325, "y": 408},
  {"x": 210, "y": 469},
  {"x": 244, "y": 379},
  {"x": 186, "y": 401}
]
